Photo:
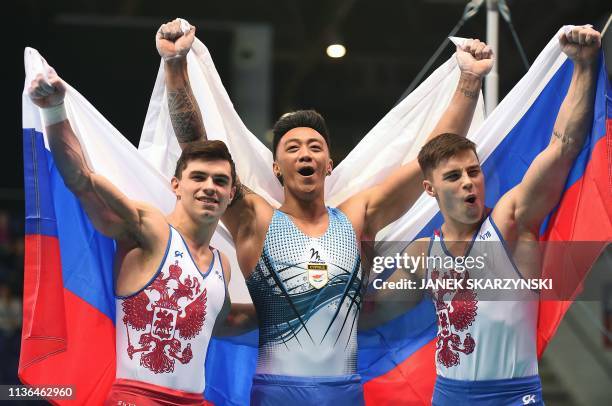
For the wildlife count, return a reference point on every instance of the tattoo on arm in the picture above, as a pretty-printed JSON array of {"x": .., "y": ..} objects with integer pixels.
[
  {"x": 241, "y": 191},
  {"x": 469, "y": 93},
  {"x": 246, "y": 190},
  {"x": 185, "y": 117},
  {"x": 469, "y": 86},
  {"x": 561, "y": 137}
]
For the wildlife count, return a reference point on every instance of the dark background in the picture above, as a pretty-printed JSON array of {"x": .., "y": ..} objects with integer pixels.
[{"x": 388, "y": 42}]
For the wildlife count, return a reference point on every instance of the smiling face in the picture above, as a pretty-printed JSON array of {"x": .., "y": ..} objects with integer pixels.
[
  {"x": 458, "y": 185},
  {"x": 204, "y": 189},
  {"x": 303, "y": 162}
]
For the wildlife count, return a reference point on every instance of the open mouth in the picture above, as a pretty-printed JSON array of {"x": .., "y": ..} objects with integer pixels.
[
  {"x": 470, "y": 199},
  {"x": 306, "y": 171}
]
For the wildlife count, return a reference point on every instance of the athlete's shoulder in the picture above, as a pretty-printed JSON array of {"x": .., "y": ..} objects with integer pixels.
[
  {"x": 503, "y": 220},
  {"x": 225, "y": 265},
  {"x": 248, "y": 213},
  {"x": 418, "y": 246},
  {"x": 354, "y": 209}
]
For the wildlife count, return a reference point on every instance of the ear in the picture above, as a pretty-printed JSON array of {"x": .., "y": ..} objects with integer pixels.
[
  {"x": 330, "y": 166},
  {"x": 232, "y": 194},
  {"x": 429, "y": 188},
  {"x": 175, "y": 186},
  {"x": 277, "y": 172}
]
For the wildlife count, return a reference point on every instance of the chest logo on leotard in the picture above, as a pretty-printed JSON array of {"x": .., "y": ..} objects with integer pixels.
[
  {"x": 454, "y": 318},
  {"x": 317, "y": 270},
  {"x": 171, "y": 306}
]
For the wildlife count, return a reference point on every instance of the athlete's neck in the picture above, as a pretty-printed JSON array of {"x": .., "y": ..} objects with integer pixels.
[
  {"x": 307, "y": 211},
  {"x": 457, "y": 231},
  {"x": 197, "y": 234},
  {"x": 458, "y": 236},
  {"x": 454, "y": 230}
]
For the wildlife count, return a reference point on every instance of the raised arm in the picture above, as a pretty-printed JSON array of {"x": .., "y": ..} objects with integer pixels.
[
  {"x": 174, "y": 40},
  {"x": 475, "y": 61},
  {"x": 389, "y": 200},
  {"x": 111, "y": 212},
  {"x": 527, "y": 204}
]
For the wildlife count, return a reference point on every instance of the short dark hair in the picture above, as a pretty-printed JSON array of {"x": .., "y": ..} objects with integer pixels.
[
  {"x": 206, "y": 151},
  {"x": 441, "y": 148},
  {"x": 295, "y": 119}
]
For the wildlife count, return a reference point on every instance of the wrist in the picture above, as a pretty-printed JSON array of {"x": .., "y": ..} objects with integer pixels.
[
  {"x": 177, "y": 59},
  {"x": 469, "y": 84},
  {"x": 585, "y": 65},
  {"x": 54, "y": 114},
  {"x": 176, "y": 64},
  {"x": 471, "y": 76}
]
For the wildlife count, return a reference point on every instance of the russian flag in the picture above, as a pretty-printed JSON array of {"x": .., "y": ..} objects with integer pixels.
[
  {"x": 68, "y": 330},
  {"x": 404, "y": 372},
  {"x": 68, "y": 336}
]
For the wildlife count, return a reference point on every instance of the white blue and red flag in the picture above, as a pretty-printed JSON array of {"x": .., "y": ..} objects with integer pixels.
[{"x": 69, "y": 310}]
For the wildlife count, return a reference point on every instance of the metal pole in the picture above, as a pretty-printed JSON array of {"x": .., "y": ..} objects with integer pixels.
[
  {"x": 470, "y": 11},
  {"x": 492, "y": 80}
]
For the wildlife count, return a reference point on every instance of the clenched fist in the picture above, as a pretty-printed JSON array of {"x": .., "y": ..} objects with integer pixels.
[
  {"x": 581, "y": 44},
  {"x": 475, "y": 57},
  {"x": 49, "y": 91},
  {"x": 174, "y": 39}
]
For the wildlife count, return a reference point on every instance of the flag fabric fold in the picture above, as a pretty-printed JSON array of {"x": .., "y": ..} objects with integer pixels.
[{"x": 69, "y": 336}]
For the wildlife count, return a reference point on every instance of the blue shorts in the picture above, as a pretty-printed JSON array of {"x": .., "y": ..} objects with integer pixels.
[
  {"x": 502, "y": 392},
  {"x": 275, "y": 390}
]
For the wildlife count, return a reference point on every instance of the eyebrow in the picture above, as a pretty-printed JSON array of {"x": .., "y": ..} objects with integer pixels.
[
  {"x": 214, "y": 175},
  {"x": 308, "y": 141},
  {"x": 469, "y": 168}
]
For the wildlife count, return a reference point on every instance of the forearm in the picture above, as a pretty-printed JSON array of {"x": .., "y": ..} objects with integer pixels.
[
  {"x": 576, "y": 112},
  {"x": 68, "y": 156},
  {"x": 542, "y": 185},
  {"x": 184, "y": 111},
  {"x": 458, "y": 115},
  {"x": 111, "y": 212}
]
